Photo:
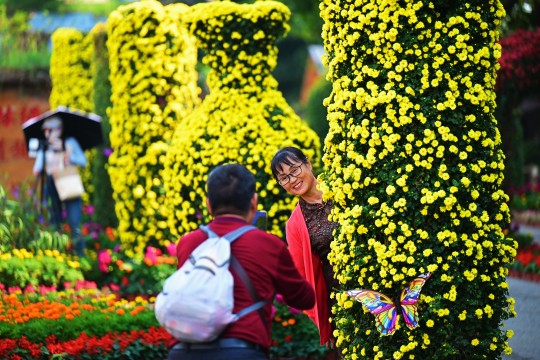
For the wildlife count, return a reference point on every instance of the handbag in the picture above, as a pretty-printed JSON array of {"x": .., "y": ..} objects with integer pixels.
[{"x": 68, "y": 183}]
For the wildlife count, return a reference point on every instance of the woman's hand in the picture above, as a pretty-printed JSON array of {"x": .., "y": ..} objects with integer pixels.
[{"x": 66, "y": 158}]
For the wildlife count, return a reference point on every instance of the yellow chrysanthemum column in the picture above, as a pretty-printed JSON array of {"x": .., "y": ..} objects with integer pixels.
[
  {"x": 72, "y": 82},
  {"x": 71, "y": 70},
  {"x": 154, "y": 85},
  {"x": 414, "y": 164},
  {"x": 243, "y": 119}
]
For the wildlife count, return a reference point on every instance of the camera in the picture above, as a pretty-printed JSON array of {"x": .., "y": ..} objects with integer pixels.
[
  {"x": 34, "y": 145},
  {"x": 260, "y": 220}
]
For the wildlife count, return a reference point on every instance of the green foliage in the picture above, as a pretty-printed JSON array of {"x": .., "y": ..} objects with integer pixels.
[
  {"x": 528, "y": 200},
  {"x": 290, "y": 67},
  {"x": 22, "y": 224},
  {"x": 32, "y": 5},
  {"x": 98, "y": 8},
  {"x": 523, "y": 240},
  {"x": 21, "y": 269},
  {"x": 305, "y": 21},
  {"x": 92, "y": 323},
  {"x": 20, "y": 48},
  {"x": 130, "y": 276},
  {"x": 315, "y": 110},
  {"x": 103, "y": 201},
  {"x": 521, "y": 14},
  {"x": 135, "y": 350},
  {"x": 512, "y": 143},
  {"x": 294, "y": 334},
  {"x": 69, "y": 320}
]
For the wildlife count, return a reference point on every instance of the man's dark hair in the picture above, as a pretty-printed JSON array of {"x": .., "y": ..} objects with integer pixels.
[
  {"x": 289, "y": 156},
  {"x": 230, "y": 189}
]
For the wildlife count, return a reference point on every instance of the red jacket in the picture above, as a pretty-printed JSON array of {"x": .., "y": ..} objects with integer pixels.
[
  {"x": 268, "y": 263},
  {"x": 310, "y": 267}
]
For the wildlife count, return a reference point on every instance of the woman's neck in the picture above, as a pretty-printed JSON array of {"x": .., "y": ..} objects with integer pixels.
[{"x": 313, "y": 196}]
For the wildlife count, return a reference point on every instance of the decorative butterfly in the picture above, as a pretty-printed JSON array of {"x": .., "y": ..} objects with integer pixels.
[{"x": 386, "y": 311}]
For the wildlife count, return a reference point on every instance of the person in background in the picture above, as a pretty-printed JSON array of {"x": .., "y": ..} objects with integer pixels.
[
  {"x": 58, "y": 153},
  {"x": 309, "y": 233},
  {"x": 232, "y": 201}
]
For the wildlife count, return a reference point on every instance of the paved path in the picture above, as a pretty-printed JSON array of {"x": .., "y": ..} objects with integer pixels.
[
  {"x": 526, "y": 341},
  {"x": 526, "y": 325},
  {"x": 531, "y": 230}
]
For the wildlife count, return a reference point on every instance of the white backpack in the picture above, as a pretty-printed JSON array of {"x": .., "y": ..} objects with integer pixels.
[{"x": 197, "y": 300}]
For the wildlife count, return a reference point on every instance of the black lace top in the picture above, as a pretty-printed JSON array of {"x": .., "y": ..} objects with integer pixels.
[{"x": 320, "y": 234}]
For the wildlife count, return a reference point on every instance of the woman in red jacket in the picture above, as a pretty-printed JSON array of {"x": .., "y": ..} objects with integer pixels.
[{"x": 309, "y": 232}]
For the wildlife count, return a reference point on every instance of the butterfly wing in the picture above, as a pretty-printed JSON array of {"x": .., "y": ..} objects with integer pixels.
[
  {"x": 409, "y": 298},
  {"x": 380, "y": 305}
]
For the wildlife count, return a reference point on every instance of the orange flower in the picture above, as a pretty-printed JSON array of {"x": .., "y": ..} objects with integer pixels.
[{"x": 110, "y": 232}]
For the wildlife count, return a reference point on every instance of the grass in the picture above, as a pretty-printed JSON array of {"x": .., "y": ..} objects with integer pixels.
[
  {"x": 37, "y": 56},
  {"x": 98, "y": 8},
  {"x": 25, "y": 60}
]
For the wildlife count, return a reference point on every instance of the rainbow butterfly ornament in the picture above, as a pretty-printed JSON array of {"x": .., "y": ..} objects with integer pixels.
[{"x": 386, "y": 311}]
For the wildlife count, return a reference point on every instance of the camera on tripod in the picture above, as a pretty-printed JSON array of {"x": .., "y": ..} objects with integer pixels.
[{"x": 35, "y": 145}]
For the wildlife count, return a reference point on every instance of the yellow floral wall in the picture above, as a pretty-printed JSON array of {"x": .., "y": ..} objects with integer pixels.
[
  {"x": 72, "y": 82},
  {"x": 154, "y": 86},
  {"x": 243, "y": 119},
  {"x": 414, "y": 164}
]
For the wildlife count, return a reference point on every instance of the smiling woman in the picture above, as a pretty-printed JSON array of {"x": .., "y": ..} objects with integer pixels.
[{"x": 308, "y": 231}]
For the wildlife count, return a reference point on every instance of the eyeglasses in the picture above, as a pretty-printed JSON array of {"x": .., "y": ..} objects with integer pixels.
[{"x": 294, "y": 172}]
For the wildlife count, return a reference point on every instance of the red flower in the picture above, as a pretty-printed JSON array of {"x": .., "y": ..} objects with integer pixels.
[{"x": 288, "y": 338}]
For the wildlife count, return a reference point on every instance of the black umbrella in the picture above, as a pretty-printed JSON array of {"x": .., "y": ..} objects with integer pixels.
[{"x": 85, "y": 127}]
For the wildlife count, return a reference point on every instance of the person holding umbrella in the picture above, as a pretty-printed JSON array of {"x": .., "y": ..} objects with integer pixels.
[{"x": 56, "y": 153}]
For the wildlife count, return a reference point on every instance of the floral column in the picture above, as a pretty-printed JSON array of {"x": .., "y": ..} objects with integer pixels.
[
  {"x": 152, "y": 62},
  {"x": 414, "y": 165},
  {"x": 244, "y": 119},
  {"x": 72, "y": 84}
]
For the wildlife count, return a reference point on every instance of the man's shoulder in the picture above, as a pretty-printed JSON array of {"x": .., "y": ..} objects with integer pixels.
[
  {"x": 261, "y": 238},
  {"x": 192, "y": 238}
]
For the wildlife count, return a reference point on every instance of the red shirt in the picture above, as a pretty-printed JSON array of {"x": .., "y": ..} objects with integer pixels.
[{"x": 269, "y": 265}]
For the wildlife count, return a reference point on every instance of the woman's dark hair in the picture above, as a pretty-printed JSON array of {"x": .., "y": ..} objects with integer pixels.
[
  {"x": 230, "y": 189},
  {"x": 289, "y": 156}
]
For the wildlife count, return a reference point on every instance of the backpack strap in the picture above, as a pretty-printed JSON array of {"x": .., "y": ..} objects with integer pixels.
[
  {"x": 258, "y": 304},
  {"x": 232, "y": 236},
  {"x": 235, "y": 234}
]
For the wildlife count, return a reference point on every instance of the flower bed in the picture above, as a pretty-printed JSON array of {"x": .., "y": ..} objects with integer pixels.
[
  {"x": 527, "y": 263},
  {"x": 530, "y": 217},
  {"x": 83, "y": 322}
]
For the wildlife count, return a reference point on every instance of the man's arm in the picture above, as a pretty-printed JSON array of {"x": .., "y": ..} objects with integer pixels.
[{"x": 296, "y": 291}]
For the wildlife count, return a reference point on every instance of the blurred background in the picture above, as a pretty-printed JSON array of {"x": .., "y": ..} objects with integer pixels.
[{"x": 26, "y": 27}]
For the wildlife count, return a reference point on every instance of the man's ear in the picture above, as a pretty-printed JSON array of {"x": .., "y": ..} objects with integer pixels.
[
  {"x": 252, "y": 208},
  {"x": 254, "y": 202},
  {"x": 209, "y": 207}
]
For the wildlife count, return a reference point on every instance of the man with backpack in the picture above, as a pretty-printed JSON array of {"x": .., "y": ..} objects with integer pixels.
[{"x": 261, "y": 266}]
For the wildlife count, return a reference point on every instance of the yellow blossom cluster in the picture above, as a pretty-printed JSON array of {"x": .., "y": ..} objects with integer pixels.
[
  {"x": 244, "y": 118},
  {"x": 71, "y": 70},
  {"x": 152, "y": 59},
  {"x": 72, "y": 82},
  {"x": 413, "y": 162}
]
